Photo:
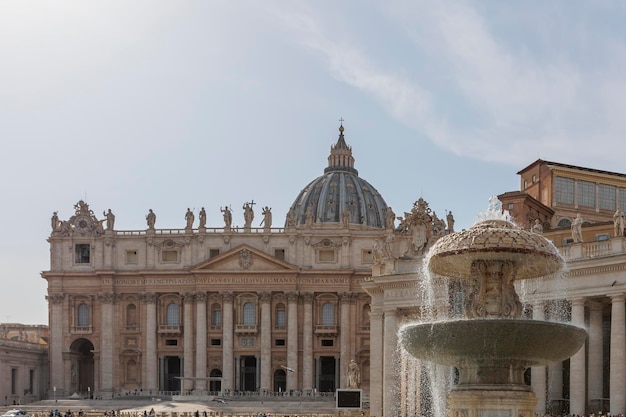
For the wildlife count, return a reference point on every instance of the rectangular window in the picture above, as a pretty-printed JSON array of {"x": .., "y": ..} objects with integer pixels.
[
  {"x": 279, "y": 342},
  {"x": 568, "y": 241},
  {"x": 82, "y": 252},
  {"x": 326, "y": 255},
  {"x": 131, "y": 257},
  {"x": 328, "y": 342},
  {"x": 31, "y": 381},
  {"x": 586, "y": 195},
  {"x": 279, "y": 254},
  {"x": 216, "y": 342},
  {"x": 171, "y": 342},
  {"x": 607, "y": 196},
  {"x": 564, "y": 190},
  {"x": 601, "y": 238},
  {"x": 280, "y": 319},
  {"x": 213, "y": 253},
  {"x": 622, "y": 199},
  {"x": 169, "y": 256},
  {"x": 13, "y": 381},
  {"x": 216, "y": 318}
]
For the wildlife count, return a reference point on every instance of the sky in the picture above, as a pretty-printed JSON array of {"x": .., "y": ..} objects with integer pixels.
[{"x": 165, "y": 105}]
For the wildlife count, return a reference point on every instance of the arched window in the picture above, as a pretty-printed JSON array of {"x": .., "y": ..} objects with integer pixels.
[
  {"x": 131, "y": 315},
  {"x": 280, "y": 316},
  {"x": 248, "y": 314},
  {"x": 83, "y": 315},
  {"x": 172, "y": 317},
  {"x": 564, "y": 223},
  {"x": 328, "y": 314},
  {"x": 216, "y": 315}
]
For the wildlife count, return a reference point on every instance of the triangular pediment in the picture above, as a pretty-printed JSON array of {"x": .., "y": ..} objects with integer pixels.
[{"x": 244, "y": 258}]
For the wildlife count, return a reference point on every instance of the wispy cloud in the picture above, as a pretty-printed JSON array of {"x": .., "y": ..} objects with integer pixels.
[{"x": 508, "y": 104}]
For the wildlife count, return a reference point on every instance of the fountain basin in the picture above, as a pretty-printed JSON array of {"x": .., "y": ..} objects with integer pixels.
[{"x": 492, "y": 343}]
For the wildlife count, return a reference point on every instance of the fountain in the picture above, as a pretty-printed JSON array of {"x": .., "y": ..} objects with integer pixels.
[{"x": 493, "y": 345}]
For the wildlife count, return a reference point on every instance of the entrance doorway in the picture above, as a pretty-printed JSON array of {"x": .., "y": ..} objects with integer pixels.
[
  {"x": 215, "y": 381},
  {"x": 280, "y": 380},
  {"x": 247, "y": 366},
  {"x": 327, "y": 374},
  {"x": 82, "y": 367},
  {"x": 171, "y": 373}
]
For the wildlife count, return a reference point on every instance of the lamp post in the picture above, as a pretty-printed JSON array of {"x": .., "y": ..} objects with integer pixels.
[
  {"x": 55, "y": 393},
  {"x": 89, "y": 393}
]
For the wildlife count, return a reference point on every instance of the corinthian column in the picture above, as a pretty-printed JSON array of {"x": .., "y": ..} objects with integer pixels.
[
  {"x": 307, "y": 342},
  {"x": 227, "y": 336},
  {"x": 577, "y": 364},
  {"x": 376, "y": 363},
  {"x": 106, "y": 348},
  {"x": 389, "y": 377},
  {"x": 188, "y": 341},
  {"x": 266, "y": 341},
  {"x": 150, "y": 377},
  {"x": 56, "y": 343},
  {"x": 201, "y": 351},
  {"x": 292, "y": 340},
  {"x": 344, "y": 332},
  {"x": 538, "y": 373},
  {"x": 594, "y": 368},
  {"x": 617, "y": 374}
]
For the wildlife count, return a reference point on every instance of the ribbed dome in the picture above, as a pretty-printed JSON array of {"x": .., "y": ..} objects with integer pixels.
[{"x": 340, "y": 189}]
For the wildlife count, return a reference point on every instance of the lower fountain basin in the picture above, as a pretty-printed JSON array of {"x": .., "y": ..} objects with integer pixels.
[{"x": 492, "y": 343}]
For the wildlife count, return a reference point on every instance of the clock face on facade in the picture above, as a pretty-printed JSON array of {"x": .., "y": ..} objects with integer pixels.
[{"x": 81, "y": 224}]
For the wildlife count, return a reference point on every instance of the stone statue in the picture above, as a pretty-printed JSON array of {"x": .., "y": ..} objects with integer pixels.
[
  {"x": 291, "y": 218},
  {"x": 450, "y": 220},
  {"x": 110, "y": 219},
  {"x": 228, "y": 217},
  {"x": 377, "y": 257},
  {"x": 353, "y": 375},
  {"x": 390, "y": 218},
  {"x": 248, "y": 214},
  {"x": 267, "y": 218},
  {"x": 309, "y": 217},
  {"x": 388, "y": 248},
  {"x": 189, "y": 217},
  {"x": 55, "y": 221},
  {"x": 537, "y": 227},
  {"x": 345, "y": 217},
  {"x": 202, "y": 218},
  {"x": 577, "y": 225},
  {"x": 618, "y": 223},
  {"x": 151, "y": 219}
]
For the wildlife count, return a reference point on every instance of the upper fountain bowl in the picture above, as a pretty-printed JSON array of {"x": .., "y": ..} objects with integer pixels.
[{"x": 533, "y": 255}]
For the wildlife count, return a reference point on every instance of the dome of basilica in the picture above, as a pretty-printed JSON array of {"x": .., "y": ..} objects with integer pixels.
[{"x": 340, "y": 195}]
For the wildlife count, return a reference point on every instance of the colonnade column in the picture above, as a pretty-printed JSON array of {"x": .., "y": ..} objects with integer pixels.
[
  {"x": 150, "y": 379},
  {"x": 187, "y": 341},
  {"x": 538, "y": 373},
  {"x": 292, "y": 341},
  {"x": 307, "y": 342},
  {"x": 227, "y": 342},
  {"x": 577, "y": 378},
  {"x": 201, "y": 335},
  {"x": 595, "y": 365},
  {"x": 266, "y": 341},
  {"x": 617, "y": 378},
  {"x": 376, "y": 363},
  {"x": 56, "y": 345},
  {"x": 389, "y": 372},
  {"x": 344, "y": 338}
]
